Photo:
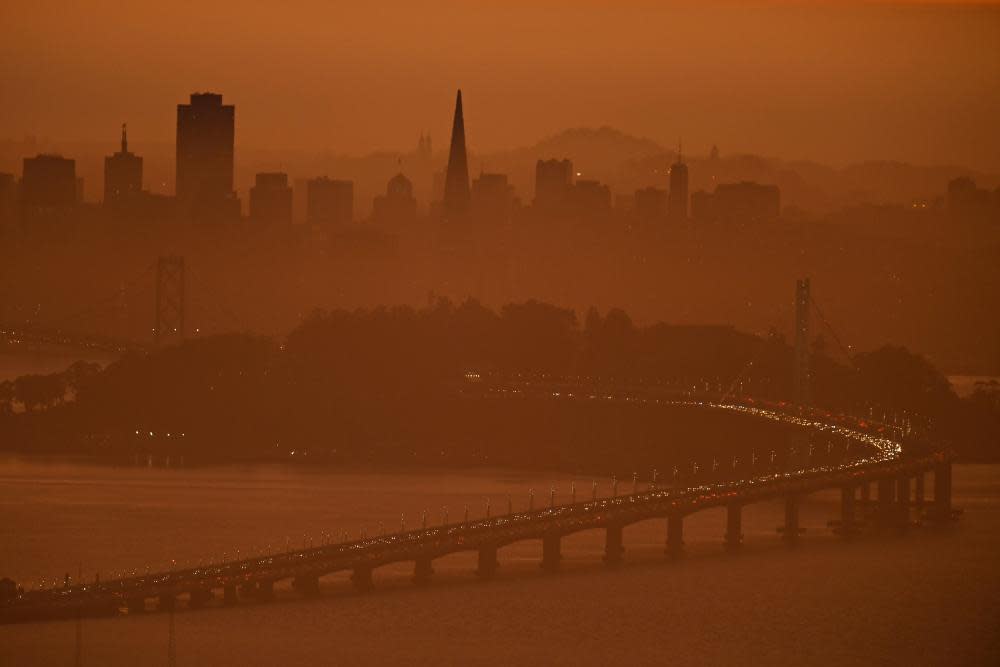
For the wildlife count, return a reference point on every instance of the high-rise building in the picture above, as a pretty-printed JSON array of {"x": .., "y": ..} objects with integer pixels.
[
  {"x": 737, "y": 203},
  {"x": 455, "y": 205},
  {"x": 8, "y": 201},
  {"x": 48, "y": 182},
  {"x": 122, "y": 175},
  {"x": 677, "y": 204},
  {"x": 397, "y": 205},
  {"x": 553, "y": 179},
  {"x": 271, "y": 199},
  {"x": 492, "y": 199},
  {"x": 651, "y": 204},
  {"x": 205, "y": 139},
  {"x": 329, "y": 201},
  {"x": 968, "y": 202},
  {"x": 590, "y": 198}
]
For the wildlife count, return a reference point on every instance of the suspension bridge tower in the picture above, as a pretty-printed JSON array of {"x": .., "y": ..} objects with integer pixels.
[
  {"x": 169, "y": 323},
  {"x": 800, "y": 380}
]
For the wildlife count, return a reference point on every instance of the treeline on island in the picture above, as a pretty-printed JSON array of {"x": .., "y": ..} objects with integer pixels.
[{"x": 402, "y": 385}]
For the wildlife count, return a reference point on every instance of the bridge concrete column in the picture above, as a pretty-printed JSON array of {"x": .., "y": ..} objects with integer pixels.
[
  {"x": 248, "y": 589},
  {"x": 903, "y": 501},
  {"x": 734, "y": 526},
  {"x": 167, "y": 602},
  {"x": 791, "y": 530},
  {"x": 265, "y": 590},
  {"x": 551, "y": 552},
  {"x": 136, "y": 605},
  {"x": 229, "y": 596},
  {"x": 362, "y": 578},
  {"x": 848, "y": 511},
  {"x": 199, "y": 597},
  {"x": 886, "y": 504},
  {"x": 942, "y": 492},
  {"x": 422, "y": 571},
  {"x": 675, "y": 535},
  {"x": 614, "y": 544},
  {"x": 918, "y": 491},
  {"x": 306, "y": 585},
  {"x": 488, "y": 562}
]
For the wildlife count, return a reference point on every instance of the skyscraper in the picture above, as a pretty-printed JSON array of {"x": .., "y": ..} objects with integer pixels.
[
  {"x": 456, "y": 183},
  {"x": 205, "y": 138},
  {"x": 329, "y": 201},
  {"x": 651, "y": 204},
  {"x": 48, "y": 182},
  {"x": 271, "y": 199},
  {"x": 677, "y": 203},
  {"x": 553, "y": 179},
  {"x": 122, "y": 175},
  {"x": 492, "y": 199}
]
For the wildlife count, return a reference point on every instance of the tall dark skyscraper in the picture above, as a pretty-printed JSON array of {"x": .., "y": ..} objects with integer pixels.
[
  {"x": 122, "y": 174},
  {"x": 456, "y": 183},
  {"x": 205, "y": 138},
  {"x": 677, "y": 203}
]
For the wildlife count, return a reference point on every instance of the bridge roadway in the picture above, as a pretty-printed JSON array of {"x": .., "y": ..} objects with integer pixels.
[
  {"x": 31, "y": 337},
  {"x": 881, "y": 463}
]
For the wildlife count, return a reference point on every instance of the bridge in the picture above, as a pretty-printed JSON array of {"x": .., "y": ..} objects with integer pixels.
[{"x": 877, "y": 459}]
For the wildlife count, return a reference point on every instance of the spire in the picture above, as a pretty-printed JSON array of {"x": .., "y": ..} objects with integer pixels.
[
  {"x": 456, "y": 184},
  {"x": 680, "y": 153},
  {"x": 124, "y": 139}
]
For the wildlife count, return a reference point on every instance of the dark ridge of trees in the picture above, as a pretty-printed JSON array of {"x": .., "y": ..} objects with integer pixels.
[{"x": 386, "y": 385}]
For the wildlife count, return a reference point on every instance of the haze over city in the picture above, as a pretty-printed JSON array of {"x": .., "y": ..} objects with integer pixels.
[{"x": 499, "y": 333}]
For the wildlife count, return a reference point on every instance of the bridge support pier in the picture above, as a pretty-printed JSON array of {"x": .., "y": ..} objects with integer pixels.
[
  {"x": 734, "y": 526},
  {"x": 136, "y": 605},
  {"x": 229, "y": 596},
  {"x": 791, "y": 530},
  {"x": 488, "y": 562},
  {"x": 307, "y": 585},
  {"x": 362, "y": 579},
  {"x": 551, "y": 553},
  {"x": 422, "y": 571},
  {"x": 848, "y": 512},
  {"x": 167, "y": 602},
  {"x": 903, "y": 502},
  {"x": 918, "y": 492},
  {"x": 866, "y": 500},
  {"x": 199, "y": 597},
  {"x": 675, "y": 535},
  {"x": 886, "y": 504},
  {"x": 614, "y": 545},
  {"x": 265, "y": 590}
]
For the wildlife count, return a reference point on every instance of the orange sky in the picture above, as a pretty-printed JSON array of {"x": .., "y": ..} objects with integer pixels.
[{"x": 830, "y": 81}]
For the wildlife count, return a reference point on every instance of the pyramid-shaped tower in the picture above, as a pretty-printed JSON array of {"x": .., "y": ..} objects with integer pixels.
[{"x": 456, "y": 183}]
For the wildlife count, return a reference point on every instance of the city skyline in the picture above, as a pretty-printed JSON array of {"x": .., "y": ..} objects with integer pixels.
[{"x": 689, "y": 78}]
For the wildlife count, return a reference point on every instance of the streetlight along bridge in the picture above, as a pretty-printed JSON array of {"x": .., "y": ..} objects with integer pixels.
[{"x": 877, "y": 460}]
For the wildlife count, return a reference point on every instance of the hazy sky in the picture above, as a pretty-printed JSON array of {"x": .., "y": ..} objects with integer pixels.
[{"x": 831, "y": 81}]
